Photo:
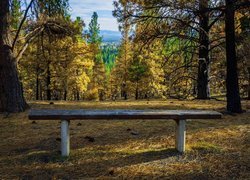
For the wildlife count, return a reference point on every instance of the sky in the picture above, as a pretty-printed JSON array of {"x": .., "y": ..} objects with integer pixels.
[{"x": 104, "y": 8}]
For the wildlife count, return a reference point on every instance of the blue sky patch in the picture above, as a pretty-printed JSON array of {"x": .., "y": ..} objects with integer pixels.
[{"x": 104, "y": 8}]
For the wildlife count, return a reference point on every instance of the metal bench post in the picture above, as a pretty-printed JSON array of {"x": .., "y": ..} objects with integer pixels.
[
  {"x": 180, "y": 135},
  {"x": 65, "y": 138}
]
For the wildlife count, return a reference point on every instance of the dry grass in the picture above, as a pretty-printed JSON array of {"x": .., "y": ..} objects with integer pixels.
[{"x": 216, "y": 149}]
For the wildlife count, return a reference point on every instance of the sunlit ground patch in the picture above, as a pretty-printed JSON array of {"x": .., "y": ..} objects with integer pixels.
[{"x": 215, "y": 148}]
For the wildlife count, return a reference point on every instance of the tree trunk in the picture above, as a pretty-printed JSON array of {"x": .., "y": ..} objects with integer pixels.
[
  {"x": 48, "y": 81},
  {"x": 48, "y": 78},
  {"x": 137, "y": 91},
  {"x": 204, "y": 59},
  {"x": 37, "y": 82},
  {"x": 124, "y": 91},
  {"x": 41, "y": 92},
  {"x": 77, "y": 96},
  {"x": 248, "y": 83},
  {"x": 37, "y": 87},
  {"x": 65, "y": 95},
  {"x": 11, "y": 93},
  {"x": 232, "y": 84}
]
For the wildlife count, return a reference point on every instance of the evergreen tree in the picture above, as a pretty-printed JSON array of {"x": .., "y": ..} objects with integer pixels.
[
  {"x": 15, "y": 14},
  {"x": 70, "y": 63},
  {"x": 233, "y": 94},
  {"x": 94, "y": 31},
  {"x": 109, "y": 54},
  {"x": 98, "y": 76}
]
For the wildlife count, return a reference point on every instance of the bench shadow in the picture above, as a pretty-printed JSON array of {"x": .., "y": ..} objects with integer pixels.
[
  {"x": 74, "y": 169},
  {"x": 98, "y": 167},
  {"x": 52, "y": 156},
  {"x": 145, "y": 157}
]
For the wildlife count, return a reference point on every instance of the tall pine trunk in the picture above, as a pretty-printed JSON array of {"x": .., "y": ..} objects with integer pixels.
[
  {"x": 232, "y": 84},
  {"x": 204, "y": 59},
  {"x": 65, "y": 95},
  {"x": 248, "y": 69},
  {"x": 11, "y": 93},
  {"x": 37, "y": 85},
  {"x": 137, "y": 91},
  {"x": 48, "y": 82},
  {"x": 48, "y": 78}
]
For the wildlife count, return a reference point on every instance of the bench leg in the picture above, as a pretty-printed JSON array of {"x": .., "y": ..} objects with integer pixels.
[
  {"x": 65, "y": 139},
  {"x": 180, "y": 135}
]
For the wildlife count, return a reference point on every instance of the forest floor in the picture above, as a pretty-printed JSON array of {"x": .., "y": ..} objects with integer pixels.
[{"x": 216, "y": 149}]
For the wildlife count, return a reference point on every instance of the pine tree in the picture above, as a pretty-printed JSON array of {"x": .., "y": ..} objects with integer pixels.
[
  {"x": 98, "y": 75},
  {"x": 70, "y": 63},
  {"x": 120, "y": 72},
  {"x": 233, "y": 94}
]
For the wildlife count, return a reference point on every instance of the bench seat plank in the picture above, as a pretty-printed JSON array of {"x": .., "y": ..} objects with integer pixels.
[{"x": 87, "y": 114}]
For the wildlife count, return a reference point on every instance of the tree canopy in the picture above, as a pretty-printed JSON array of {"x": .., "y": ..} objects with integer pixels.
[{"x": 169, "y": 49}]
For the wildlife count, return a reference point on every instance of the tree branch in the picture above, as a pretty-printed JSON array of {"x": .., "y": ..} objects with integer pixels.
[
  {"x": 30, "y": 37},
  {"x": 245, "y": 4},
  {"x": 21, "y": 24},
  {"x": 216, "y": 19}
]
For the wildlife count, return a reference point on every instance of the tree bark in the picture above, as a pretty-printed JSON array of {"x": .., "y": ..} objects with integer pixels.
[
  {"x": 11, "y": 93},
  {"x": 204, "y": 59},
  {"x": 137, "y": 91},
  {"x": 232, "y": 84},
  {"x": 48, "y": 79},
  {"x": 37, "y": 87},
  {"x": 77, "y": 95},
  {"x": 248, "y": 69},
  {"x": 37, "y": 82},
  {"x": 65, "y": 95},
  {"x": 48, "y": 82},
  {"x": 124, "y": 91}
]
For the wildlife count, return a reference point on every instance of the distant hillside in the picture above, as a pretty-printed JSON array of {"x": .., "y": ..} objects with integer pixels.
[{"x": 110, "y": 36}]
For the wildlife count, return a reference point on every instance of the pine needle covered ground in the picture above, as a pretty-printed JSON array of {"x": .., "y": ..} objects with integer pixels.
[{"x": 126, "y": 149}]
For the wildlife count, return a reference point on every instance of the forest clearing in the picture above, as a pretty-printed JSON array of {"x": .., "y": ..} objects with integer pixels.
[
  {"x": 126, "y": 149},
  {"x": 124, "y": 89}
]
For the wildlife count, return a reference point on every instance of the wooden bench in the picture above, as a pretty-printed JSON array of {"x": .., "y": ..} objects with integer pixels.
[{"x": 180, "y": 116}]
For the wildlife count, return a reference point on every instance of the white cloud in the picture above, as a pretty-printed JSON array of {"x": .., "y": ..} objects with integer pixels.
[{"x": 104, "y": 8}]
